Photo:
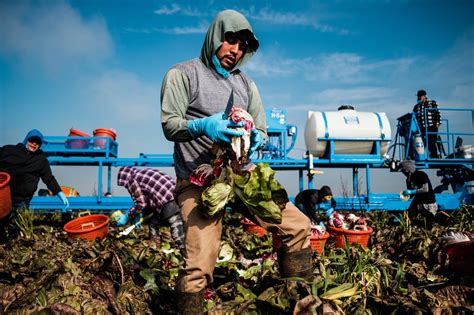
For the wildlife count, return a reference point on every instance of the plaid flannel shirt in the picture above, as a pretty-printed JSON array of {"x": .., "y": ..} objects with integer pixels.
[{"x": 148, "y": 187}]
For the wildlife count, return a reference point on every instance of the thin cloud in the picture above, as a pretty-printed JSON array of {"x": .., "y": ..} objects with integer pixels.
[
  {"x": 168, "y": 10},
  {"x": 52, "y": 37},
  {"x": 177, "y": 9},
  {"x": 183, "y": 30},
  {"x": 201, "y": 28},
  {"x": 289, "y": 18},
  {"x": 343, "y": 68}
]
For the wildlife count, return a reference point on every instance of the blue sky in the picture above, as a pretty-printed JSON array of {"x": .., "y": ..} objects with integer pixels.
[{"x": 99, "y": 64}]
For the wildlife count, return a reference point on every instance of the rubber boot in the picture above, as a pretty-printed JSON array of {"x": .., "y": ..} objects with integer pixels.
[
  {"x": 66, "y": 216},
  {"x": 295, "y": 264},
  {"x": 189, "y": 303}
]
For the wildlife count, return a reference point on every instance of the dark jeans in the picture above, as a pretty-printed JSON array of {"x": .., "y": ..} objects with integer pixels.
[
  {"x": 432, "y": 139},
  {"x": 428, "y": 217}
]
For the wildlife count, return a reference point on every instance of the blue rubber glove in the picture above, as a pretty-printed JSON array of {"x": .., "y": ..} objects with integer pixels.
[
  {"x": 122, "y": 220},
  {"x": 324, "y": 206},
  {"x": 256, "y": 141},
  {"x": 215, "y": 127},
  {"x": 64, "y": 200},
  {"x": 329, "y": 211},
  {"x": 409, "y": 192},
  {"x": 137, "y": 220}
]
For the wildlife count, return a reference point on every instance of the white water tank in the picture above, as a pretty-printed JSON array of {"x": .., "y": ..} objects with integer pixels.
[{"x": 362, "y": 128}]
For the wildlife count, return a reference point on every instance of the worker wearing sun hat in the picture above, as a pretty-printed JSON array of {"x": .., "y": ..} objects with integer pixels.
[{"x": 27, "y": 164}]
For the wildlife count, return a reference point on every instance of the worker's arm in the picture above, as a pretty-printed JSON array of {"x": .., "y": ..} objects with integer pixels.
[
  {"x": 256, "y": 110},
  {"x": 139, "y": 199},
  {"x": 139, "y": 203},
  {"x": 422, "y": 189},
  {"x": 48, "y": 179},
  {"x": 174, "y": 104}
]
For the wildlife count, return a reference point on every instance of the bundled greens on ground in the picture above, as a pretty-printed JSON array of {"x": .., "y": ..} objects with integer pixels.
[{"x": 404, "y": 270}]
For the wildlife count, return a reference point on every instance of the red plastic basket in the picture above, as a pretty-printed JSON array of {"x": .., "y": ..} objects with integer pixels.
[
  {"x": 340, "y": 235},
  {"x": 88, "y": 227},
  {"x": 5, "y": 196},
  {"x": 253, "y": 228},
  {"x": 317, "y": 243}
]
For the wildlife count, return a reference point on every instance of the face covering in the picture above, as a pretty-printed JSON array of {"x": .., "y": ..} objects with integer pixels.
[{"x": 217, "y": 64}]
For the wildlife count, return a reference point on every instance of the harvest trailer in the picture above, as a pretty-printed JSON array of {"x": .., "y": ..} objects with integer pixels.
[{"x": 346, "y": 138}]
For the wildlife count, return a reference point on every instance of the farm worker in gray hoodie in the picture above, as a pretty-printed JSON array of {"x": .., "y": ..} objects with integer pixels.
[{"x": 194, "y": 95}]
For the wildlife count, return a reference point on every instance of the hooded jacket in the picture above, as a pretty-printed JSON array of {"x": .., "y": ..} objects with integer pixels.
[
  {"x": 193, "y": 90},
  {"x": 26, "y": 168},
  {"x": 307, "y": 201}
]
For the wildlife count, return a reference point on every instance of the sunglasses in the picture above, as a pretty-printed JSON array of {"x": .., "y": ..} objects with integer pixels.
[{"x": 233, "y": 39}]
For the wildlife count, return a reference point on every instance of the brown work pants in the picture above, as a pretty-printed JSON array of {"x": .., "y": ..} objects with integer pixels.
[{"x": 203, "y": 236}]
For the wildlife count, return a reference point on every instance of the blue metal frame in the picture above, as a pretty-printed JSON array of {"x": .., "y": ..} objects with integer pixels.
[{"x": 60, "y": 152}]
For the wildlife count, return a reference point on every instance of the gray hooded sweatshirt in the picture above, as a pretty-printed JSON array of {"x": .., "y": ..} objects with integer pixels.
[{"x": 194, "y": 89}]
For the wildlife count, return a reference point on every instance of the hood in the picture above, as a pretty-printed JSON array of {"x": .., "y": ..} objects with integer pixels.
[
  {"x": 323, "y": 192},
  {"x": 227, "y": 21},
  {"x": 125, "y": 175},
  {"x": 33, "y": 133}
]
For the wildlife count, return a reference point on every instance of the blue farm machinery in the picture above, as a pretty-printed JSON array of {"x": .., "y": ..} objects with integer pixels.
[{"x": 345, "y": 139}]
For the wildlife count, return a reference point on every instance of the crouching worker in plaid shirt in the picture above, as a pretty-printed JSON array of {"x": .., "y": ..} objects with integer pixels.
[{"x": 152, "y": 191}]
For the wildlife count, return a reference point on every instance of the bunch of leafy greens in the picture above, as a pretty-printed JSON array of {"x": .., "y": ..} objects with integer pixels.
[{"x": 258, "y": 189}]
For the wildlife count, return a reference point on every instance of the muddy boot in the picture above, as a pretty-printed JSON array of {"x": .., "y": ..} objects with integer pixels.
[
  {"x": 189, "y": 303},
  {"x": 295, "y": 264}
]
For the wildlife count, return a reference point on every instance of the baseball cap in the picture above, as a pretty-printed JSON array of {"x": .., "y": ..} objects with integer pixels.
[{"x": 421, "y": 93}]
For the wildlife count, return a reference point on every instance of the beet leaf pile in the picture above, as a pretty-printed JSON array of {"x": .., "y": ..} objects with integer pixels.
[{"x": 405, "y": 269}]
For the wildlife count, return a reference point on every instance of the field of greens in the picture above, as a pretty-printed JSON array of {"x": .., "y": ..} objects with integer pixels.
[{"x": 405, "y": 269}]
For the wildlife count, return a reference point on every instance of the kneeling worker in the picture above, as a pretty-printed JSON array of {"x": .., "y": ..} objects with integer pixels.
[
  {"x": 310, "y": 201},
  {"x": 152, "y": 190}
]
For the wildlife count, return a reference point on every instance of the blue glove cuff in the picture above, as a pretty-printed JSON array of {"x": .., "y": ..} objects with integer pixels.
[
  {"x": 63, "y": 199},
  {"x": 194, "y": 128},
  {"x": 329, "y": 211},
  {"x": 324, "y": 206}
]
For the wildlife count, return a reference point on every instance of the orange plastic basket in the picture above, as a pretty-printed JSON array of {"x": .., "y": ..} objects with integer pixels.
[
  {"x": 77, "y": 144},
  {"x": 317, "y": 243},
  {"x": 340, "y": 235},
  {"x": 103, "y": 132},
  {"x": 88, "y": 227},
  {"x": 5, "y": 196},
  {"x": 253, "y": 228}
]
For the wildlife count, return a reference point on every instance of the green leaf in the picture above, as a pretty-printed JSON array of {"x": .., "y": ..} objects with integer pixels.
[
  {"x": 344, "y": 290},
  {"x": 216, "y": 196},
  {"x": 149, "y": 276}
]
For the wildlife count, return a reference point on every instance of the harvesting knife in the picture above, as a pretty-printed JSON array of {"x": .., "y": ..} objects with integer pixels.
[
  {"x": 132, "y": 227},
  {"x": 230, "y": 104}
]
